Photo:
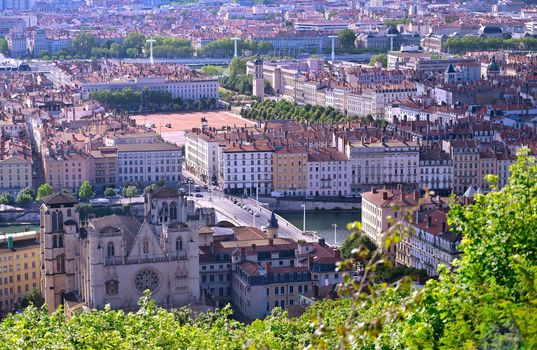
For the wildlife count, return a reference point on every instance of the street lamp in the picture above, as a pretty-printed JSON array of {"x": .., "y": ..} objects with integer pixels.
[
  {"x": 304, "y": 222},
  {"x": 335, "y": 234}
]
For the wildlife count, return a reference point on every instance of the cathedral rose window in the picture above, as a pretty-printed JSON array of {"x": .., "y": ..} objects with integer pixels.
[{"x": 146, "y": 279}]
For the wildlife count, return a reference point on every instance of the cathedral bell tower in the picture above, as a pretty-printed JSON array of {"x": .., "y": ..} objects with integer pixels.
[{"x": 59, "y": 229}]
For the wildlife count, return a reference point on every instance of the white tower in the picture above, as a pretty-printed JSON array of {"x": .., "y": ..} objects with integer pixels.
[
  {"x": 235, "y": 54},
  {"x": 151, "y": 41},
  {"x": 259, "y": 81}
]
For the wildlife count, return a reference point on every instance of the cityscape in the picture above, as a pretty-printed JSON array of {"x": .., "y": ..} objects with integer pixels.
[{"x": 261, "y": 161}]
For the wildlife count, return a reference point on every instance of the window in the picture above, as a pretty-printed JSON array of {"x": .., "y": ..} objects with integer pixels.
[
  {"x": 60, "y": 264},
  {"x": 146, "y": 247},
  {"x": 179, "y": 244},
  {"x": 110, "y": 249},
  {"x": 173, "y": 211}
]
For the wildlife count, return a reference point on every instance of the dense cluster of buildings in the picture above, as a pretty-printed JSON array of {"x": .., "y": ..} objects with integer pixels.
[
  {"x": 422, "y": 125},
  {"x": 170, "y": 249},
  {"x": 338, "y": 161},
  {"x": 291, "y": 28}
]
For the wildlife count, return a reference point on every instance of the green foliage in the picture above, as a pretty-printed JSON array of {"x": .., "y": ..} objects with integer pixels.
[
  {"x": 488, "y": 302},
  {"x": 129, "y": 191},
  {"x": 240, "y": 83},
  {"x": 87, "y": 210},
  {"x": 283, "y": 110},
  {"x": 25, "y": 196},
  {"x": 109, "y": 192},
  {"x": 169, "y": 47},
  {"x": 149, "y": 100},
  {"x": 6, "y": 198},
  {"x": 33, "y": 297},
  {"x": 85, "y": 191},
  {"x": 83, "y": 43},
  {"x": 225, "y": 48},
  {"x": 3, "y": 45},
  {"x": 211, "y": 70},
  {"x": 237, "y": 66},
  {"x": 346, "y": 38},
  {"x": 397, "y": 21},
  {"x": 354, "y": 241},
  {"x": 475, "y": 43},
  {"x": 382, "y": 58},
  {"x": 43, "y": 191}
]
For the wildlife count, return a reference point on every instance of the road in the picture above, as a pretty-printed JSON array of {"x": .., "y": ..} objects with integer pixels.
[{"x": 240, "y": 216}]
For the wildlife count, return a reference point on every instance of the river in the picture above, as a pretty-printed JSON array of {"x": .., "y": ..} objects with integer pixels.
[{"x": 322, "y": 221}]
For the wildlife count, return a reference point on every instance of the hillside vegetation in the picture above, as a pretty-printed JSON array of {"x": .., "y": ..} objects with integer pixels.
[{"x": 488, "y": 302}]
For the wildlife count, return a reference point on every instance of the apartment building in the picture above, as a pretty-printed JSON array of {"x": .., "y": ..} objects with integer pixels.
[
  {"x": 378, "y": 205},
  {"x": 201, "y": 155},
  {"x": 382, "y": 162},
  {"x": 150, "y": 163},
  {"x": 436, "y": 171},
  {"x": 328, "y": 173},
  {"x": 19, "y": 268},
  {"x": 105, "y": 168},
  {"x": 246, "y": 168},
  {"x": 121, "y": 138},
  {"x": 187, "y": 90},
  {"x": 67, "y": 168},
  {"x": 15, "y": 173},
  {"x": 487, "y": 166},
  {"x": 465, "y": 157},
  {"x": 430, "y": 243},
  {"x": 16, "y": 42},
  {"x": 257, "y": 290},
  {"x": 372, "y": 101},
  {"x": 290, "y": 170}
]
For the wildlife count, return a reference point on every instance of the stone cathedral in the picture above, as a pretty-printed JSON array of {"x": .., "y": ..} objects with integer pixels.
[{"x": 114, "y": 259}]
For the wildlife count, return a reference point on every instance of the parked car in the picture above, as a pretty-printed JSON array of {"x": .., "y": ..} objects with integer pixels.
[{"x": 199, "y": 195}]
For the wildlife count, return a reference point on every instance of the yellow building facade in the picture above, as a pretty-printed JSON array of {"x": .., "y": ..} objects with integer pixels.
[
  {"x": 290, "y": 171},
  {"x": 19, "y": 268}
]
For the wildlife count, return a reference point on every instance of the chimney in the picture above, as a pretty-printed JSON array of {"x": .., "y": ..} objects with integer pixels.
[
  {"x": 429, "y": 221},
  {"x": 337, "y": 253},
  {"x": 384, "y": 195},
  {"x": 271, "y": 241},
  {"x": 374, "y": 190},
  {"x": 253, "y": 247},
  {"x": 315, "y": 291},
  {"x": 322, "y": 242},
  {"x": 416, "y": 195},
  {"x": 310, "y": 262},
  {"x": 267, "y": 267},
  {"x": 444, "y": 226}
]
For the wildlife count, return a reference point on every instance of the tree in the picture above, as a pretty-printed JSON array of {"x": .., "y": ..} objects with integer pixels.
[
  {"x": 85, "y": 191},
  {"x": 129, "y": 191},
  {"x": 346, "y": 38},
  {"x": 4, "y": 48},
  {"x": 6, "y": 198},
  {"x": 132, "y": 52},
  {"x": 109, "y": 192},
  {"x": 382, "y": 58},
  {"x": 25, "y": 196},
  {"x": 33, "y": 297},
  {"x": 43, "y": 191},
  {"x": 357, "y": 240},
  {"x": 83, "y": 43},
  {"x": 237, "y": 66}
]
